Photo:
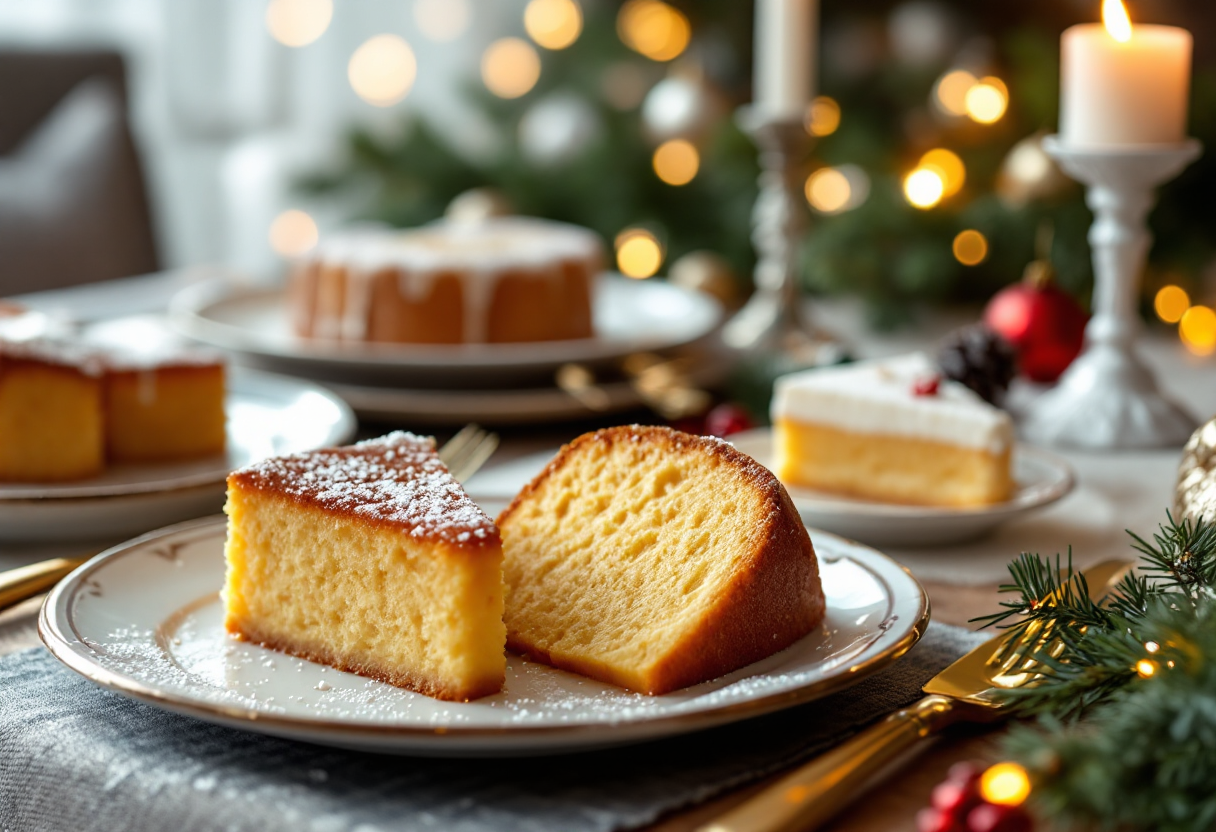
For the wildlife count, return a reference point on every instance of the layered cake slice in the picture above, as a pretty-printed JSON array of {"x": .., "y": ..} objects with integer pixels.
[
  {"x": 891, "y": 430},
  {"x": 371, "y": 559},
  {"x": 653, "y": 560},
  {"x": 51, "y": 413}
]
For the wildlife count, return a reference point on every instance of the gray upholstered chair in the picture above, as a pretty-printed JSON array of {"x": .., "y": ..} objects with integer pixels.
[{"x": 73, "y": 204}]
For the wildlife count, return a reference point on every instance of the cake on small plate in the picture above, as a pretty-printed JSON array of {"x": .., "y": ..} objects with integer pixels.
[
  {"x": 371, "y": 559},
  {"x": 164, "y": 406},
  {"x": 497, "y": 280},
  {"x": 51, "y": 411},
  {"x": 891, "y": 430},
  {"x": 653, "y": 559}
]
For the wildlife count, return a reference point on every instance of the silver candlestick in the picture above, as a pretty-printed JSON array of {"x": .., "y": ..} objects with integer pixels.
[
  {"x": 772, "y": 320},
  {"x": 1108, "y": 398}
]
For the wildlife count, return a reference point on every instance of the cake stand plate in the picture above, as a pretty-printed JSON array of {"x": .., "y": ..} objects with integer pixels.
[
  {"x": 144, "y": 619},
  {"x": 631, "y": 316},
  {"x": 267, "y": 415},
  {"x": 1041, "y": 479}
]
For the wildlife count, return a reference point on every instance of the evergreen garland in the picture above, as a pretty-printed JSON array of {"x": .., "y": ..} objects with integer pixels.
[{"x": 1127, "y": 732}]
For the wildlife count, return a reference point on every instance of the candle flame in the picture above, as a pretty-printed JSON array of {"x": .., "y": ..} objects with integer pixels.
[{"x": 1114, "y": 15}]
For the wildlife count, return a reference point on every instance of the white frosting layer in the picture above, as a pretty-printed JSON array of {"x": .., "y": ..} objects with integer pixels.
[
  {"x": 877, "y": 397},
  {"x": 480, "y": 252},
  {"x": 487, "y": 246}
]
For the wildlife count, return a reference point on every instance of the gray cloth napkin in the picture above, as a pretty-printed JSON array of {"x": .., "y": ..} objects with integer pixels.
[{"x": 74, "y": 756}]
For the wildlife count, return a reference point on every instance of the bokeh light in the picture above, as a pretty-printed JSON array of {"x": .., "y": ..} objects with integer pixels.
[
  {"x": 924, "y": 188},
  {"x": 1005, "y": 784},
  {"x": 970, "y": 247},
  {"x": 442, "y": 20},
  {"x": 638, "y": 253},
  {"x": 1145, "y": 668},
  {"x": 293, "y": 233},
  {"x": 834, "y": 190},
  {"x": 951, "y": 91},
  {"x": 510, "y": 67},
  {"x": 676, "y": 162},
  {"x": 987, "y": 100},
  {"x": 653, "y": 28},
  {"x": 553, "y": 24},
  {"x": 1197, "y": 328},
  {"x": 298, "y": 22},
  {"x": 823, "y": 116},
  {"x": 1171, "y": 303},
  {"x": 828, "y": 191},
  {"x": 947, "y": 165},
  {"x": 382, "y": 70}
]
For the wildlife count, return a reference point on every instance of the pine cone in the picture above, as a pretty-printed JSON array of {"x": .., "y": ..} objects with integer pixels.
[{"x": 979, "y": 358}]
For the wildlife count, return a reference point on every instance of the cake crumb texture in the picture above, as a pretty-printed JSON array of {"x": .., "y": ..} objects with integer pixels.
[
  {"x": 654, "y": 560},
  {"x": 311, "y": 574}
]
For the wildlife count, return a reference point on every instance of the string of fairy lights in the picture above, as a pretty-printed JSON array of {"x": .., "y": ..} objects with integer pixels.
[{"x": 383, "y": 69}]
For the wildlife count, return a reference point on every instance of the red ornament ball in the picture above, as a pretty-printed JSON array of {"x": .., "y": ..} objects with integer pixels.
[
  {"x": 727, "y": 419},
  {"x": 1043, "y": 323}
]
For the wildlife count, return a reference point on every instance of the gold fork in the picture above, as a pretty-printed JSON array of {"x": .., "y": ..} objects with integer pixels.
[
  {"x": 464, "y": 454},
  {"x": 966, "y": 691}
]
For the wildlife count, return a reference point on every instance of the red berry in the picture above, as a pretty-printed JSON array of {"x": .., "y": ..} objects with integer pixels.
[
  {"x": 927, "y": 386},
  {"x": 727, "y": 419},
  {"x": 934, "y": 820},
  {"x": 952, "y": 797}
]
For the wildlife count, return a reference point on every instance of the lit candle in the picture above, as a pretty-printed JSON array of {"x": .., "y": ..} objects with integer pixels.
[
  {"x": 1122, "y": 84},
  {"x": 784, "y": 66}
]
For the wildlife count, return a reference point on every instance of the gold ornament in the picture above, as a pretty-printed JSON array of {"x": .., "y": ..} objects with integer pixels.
[
  {"x": 705, "y": 271},
  {"x": 1195, "y": 494},
  {"x": 1028, "y": 173},
  {"x": 479, "y": 204}
]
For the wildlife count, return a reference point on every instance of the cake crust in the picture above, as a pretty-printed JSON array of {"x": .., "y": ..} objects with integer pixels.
[
  {"x": 773, "y": 598},
  {"x": 395, "y": 481}
]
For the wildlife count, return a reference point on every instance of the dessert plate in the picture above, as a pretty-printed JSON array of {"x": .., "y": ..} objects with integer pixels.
[
  {"x": 630, "y": 316},
  {"x": 1041, "y": 478},
  {"x": 267, "y": 415},
  {"x": 144, "y": 619}
]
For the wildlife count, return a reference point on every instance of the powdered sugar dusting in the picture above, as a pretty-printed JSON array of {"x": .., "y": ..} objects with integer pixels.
[{"x": 397, "y": 479}]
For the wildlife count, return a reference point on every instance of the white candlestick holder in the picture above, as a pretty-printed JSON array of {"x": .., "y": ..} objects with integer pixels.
[
  {"x": 1108, "y": 399},
  {"x": 773, "y": 319}
]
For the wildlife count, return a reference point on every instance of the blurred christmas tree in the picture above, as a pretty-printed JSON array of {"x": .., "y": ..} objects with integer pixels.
[{"x": 928, "y": 180}]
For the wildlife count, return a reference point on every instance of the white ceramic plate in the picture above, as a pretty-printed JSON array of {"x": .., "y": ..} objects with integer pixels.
[
  {"x": 267, "y": 415},
  {"x": 1042, "y": 479},
  {"x": 630, "y": 316},
  {"x": 144, "y": 619}
]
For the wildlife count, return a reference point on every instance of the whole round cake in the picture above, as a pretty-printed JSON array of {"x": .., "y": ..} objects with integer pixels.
[{"x": 504, "y": 279}]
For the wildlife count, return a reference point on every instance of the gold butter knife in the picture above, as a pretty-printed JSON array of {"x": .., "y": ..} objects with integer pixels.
[{"x": 966, "y": 691}]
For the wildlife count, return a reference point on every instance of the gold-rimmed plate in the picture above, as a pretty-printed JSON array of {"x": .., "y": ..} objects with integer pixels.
[{"x": 144, "y": 619}]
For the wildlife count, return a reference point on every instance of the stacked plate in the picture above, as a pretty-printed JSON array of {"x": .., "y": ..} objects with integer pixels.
[{"x": 453, "y": 384}]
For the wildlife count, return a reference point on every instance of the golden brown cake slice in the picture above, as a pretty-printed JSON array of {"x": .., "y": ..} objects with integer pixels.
[
  {"x": 372, "y": 559},
  {"x": 653, "y": 559},
  {"x": 50, "y": 411},
  {"x": 166, "y": 407}
]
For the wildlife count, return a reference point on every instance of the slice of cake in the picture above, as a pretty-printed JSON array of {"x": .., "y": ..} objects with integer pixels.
[
  {"x": 891, "y": 430},
  {"x": 164, "y": 407},
  {"x": 371, "y": 559},
  {"x": 50, "y": 411},
  {"x": 653, "y": 560}
]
